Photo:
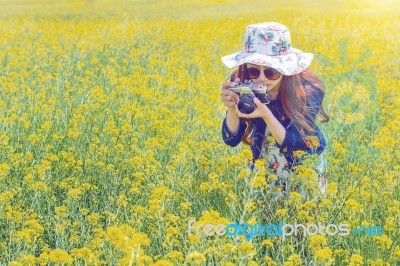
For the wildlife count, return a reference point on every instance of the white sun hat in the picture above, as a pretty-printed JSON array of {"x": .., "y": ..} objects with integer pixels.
[{"x": 269, "y": 44}]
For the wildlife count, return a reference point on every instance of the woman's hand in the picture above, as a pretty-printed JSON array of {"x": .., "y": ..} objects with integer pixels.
[
  {"x": 229, "y": 98},
  {"x": 260, "y": 111}
]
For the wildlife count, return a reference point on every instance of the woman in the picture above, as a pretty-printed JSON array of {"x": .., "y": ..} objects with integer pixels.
[{"x": 287, "y": 124}]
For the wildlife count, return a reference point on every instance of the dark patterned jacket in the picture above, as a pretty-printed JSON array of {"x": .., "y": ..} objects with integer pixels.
[{"x": 293, "y": 140}]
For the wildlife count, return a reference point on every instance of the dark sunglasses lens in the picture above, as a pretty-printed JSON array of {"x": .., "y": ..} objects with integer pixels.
[
  {"x": 272, "y": 74},
  {"x": 254, "y": 73}
]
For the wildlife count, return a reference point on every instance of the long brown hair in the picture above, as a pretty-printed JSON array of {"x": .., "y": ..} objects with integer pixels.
[{"x": 293, "y": 96}]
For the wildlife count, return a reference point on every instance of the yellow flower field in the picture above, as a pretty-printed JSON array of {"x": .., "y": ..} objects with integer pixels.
[{"x": 110, "y": 133}]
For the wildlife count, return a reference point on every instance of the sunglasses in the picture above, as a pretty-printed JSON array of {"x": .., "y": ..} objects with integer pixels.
[{"x": 270, "y": 73}]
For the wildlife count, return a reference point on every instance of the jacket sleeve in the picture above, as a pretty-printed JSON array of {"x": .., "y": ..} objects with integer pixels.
[
  {"x": 230, "y": 138},
  {"x": 293, "y": 140}
]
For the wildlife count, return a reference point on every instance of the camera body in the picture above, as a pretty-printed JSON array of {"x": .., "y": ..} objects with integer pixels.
[{"x": 247, "y": 90}]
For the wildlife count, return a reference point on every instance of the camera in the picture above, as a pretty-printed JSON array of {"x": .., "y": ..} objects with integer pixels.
[{"x": 247, "y": 90}]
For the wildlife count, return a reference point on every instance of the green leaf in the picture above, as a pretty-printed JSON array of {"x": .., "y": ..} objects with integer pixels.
[
  {"x": 342, "y": 50},
  {"x": 323, "y": 59},
  {"x": 363, "y": 57}
]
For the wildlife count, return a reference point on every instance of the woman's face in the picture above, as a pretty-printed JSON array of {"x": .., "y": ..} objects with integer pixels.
[{"x": 263, "y": 80}]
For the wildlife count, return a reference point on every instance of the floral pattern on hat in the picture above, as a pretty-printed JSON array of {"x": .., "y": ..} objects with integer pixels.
[
  {"x": 266, "y": 37},
  {"x": 269, "y": 44},
  {"x": 248, "y": 45}
]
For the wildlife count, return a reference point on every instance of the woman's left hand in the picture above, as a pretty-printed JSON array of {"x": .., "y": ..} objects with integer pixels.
[{"x": 260, "y": 111}]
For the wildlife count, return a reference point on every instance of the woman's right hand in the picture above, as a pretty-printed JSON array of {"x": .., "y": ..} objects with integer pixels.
[{"x": 229, "y": 98}]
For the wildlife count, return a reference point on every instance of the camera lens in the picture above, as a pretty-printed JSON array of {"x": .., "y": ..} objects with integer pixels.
[{"x": 246, "y": 104}]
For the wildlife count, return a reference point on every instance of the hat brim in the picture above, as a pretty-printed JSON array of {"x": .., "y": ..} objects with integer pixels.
[{"x": 288, "y": 64}]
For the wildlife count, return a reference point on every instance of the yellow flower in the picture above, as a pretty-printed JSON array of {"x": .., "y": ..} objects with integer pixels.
[
  {"x": 378, "y": 262},
  {"x": 299, "y": 153},
  {"x": 6, "y": 196},
  {"x": 325, "y": 203},
  {"x": 46, "y": 125},
  {"x": 175, "y": 256},
  {"x": 324, "y": 255},
  {"x": 295, "y": 196},
  {"x": 314, "y": 142},
  {"x": 205, "y": 187},
  {"x": 82, "y": 253},
  {"x": 75, "y": 193},
  {"x": 304, "y": 216},
  {"x": 122, "y": 201},
  {"x": 396, "y": 253},
  {"x": 341, "y": 252},
  {"x": 4, "y": 170},
  {"x": 353, "y": 206},
  {"x": 356, "y": 260},
  {"x": 384, "y": 241},
  {"x": 73, "y": 133},
  {"x": 272, "y": 177},
  {"x": 116, "y": 236},
  {"x": 246, "y": 249},
  {"x": 250, "y": 206},
  {"x": 26, "y": 260},
  {"x": 258, "y": 181},
  {"x": 269, "y": 261},
  {"x": 281, "y": 212},
  {"x": 144, "y": 260},
  {"x": 94, "y": 61},
  {"x": 193, "y": 239},
  {"x": 15, "y": 263},
  {"x": 332, "y": 188},
  {"x": 211, "y": 217},
  {"x": 61, "y": 211},
  {"x": 195, "y": 257},
  {"x": 163, "y": 263},
  {"x": 309, "y": 205},
  {"x": 293, "y": 260},
  {"x": 317, "y": 242},
  {"x": 30, "y": 232},
  {"x": 60, "y": 256},
  {"x": 390, "y": 224},
  {"x": 268, "y": 243},
  {"x": 34, "y": 139},
  {"x": 40, "y": 186},
  {"x": 305, "y": 173},
  {"x": 185, "y": 206}
]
